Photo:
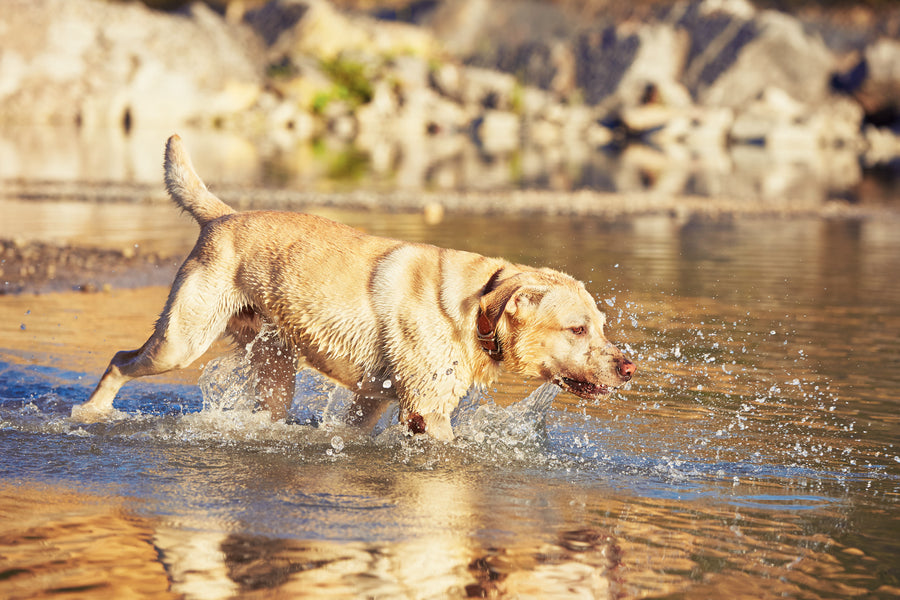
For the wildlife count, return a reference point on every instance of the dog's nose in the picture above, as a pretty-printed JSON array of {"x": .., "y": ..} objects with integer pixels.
[{"x": 626, "y": 369}]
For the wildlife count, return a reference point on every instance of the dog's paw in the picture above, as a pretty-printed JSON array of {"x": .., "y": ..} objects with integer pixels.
[
  {"x": 85, "y": 413},
  {"x": 433, "y": 424}
]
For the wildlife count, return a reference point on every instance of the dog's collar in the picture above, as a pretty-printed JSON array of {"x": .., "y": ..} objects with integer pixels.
[
  {"x": 487, "y": 337},
  {"x": 485, "y": 327}
]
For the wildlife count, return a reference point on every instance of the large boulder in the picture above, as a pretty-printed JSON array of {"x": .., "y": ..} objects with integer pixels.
[
  {"x": 736, "y": 53},
  {"x": 875, "y": 82},
  {"x": 296, "y": 29},
  {"x": 115, "y": 64},
  {"x": 776, "y": 120}
]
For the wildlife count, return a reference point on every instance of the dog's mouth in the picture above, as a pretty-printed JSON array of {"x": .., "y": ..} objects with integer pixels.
[{"x": 582, "y": 389}]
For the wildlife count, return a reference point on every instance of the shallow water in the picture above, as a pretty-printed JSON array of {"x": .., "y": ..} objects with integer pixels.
[{"x": 756, "y": 454}]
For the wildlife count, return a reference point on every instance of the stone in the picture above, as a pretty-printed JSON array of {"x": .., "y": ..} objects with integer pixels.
[
  {"x": 780, "y": 54},
  {"x": 446, "y": 79},
  {"x": 487, "y": 88},
  {"x": 602, "y": 58},
  {"x": 656, "y": 68},
  {"x": 101, "y": 64},
  {"x": 641, "y": 120},
  {"x": 459, "y": 24},
  {"x": 301, "y": 28},
  {"x": 882, "y": 145},
  {"x": 874, "y": 82},
  {"x": 498, "y": 132},
  {"x": 409, "y": 72},
  {"x": 776, "y": 120}
]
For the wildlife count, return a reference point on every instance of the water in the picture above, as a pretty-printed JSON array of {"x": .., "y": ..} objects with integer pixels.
[{"x": 756, "y": 453}]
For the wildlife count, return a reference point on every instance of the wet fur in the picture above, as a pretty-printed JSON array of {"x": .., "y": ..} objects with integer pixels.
[{"x": 390, "y": 320}]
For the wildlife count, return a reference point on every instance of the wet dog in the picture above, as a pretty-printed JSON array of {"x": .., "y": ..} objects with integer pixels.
[{"x": 390, "y": 320}]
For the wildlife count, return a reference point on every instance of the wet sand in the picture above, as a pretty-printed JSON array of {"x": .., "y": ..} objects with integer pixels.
[
  {"x": 81, "y": 331},
  {"x": 76, "y": 544}
]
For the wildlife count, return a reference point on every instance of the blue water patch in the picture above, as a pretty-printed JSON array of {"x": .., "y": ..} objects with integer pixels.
[{"x": 170, "y": 436}]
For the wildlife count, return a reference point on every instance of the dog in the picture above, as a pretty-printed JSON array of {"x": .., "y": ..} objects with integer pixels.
[{"x": 390, "y": 320}]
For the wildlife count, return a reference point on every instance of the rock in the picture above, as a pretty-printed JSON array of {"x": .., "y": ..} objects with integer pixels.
[
  {"x": 304, "y": 83},
  {"x": 882, "y": 145},
  {"x": 576, "y": 121},
  {"x": 603, "y": 57},
  {"x": 446, "y": 79},
  {"x": 101, "y": 64},
  {"x": 772, "y": 110},
  {"x": 839, "y": 123},
  {"x": 459, "y": 24},
  {"x": 535, "y": 102},
  {"x": 498, "y": 132},
  {"x": 778, "y": 53},
  {"x": 487, "y": 88},
  {"x": 626, "y": 65},
  {"x": 656, "y": 69},
  {"x": 597, "y": 135},
  {"x": 776, "y": 120},
  {"x": 543, "y": 133},
  {"x": 642, "y": 120},
  {"x": 704, "y": 131},
  {"x": 874, "y": 81},
  {"x": 300, "y": 28}
]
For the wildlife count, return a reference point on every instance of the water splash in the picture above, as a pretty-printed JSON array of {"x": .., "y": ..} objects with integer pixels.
[{"x": 521, "y": 424}]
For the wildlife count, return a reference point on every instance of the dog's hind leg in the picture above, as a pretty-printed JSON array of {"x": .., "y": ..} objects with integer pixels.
[
  {"x": 274, "y": 369},
  {"x": 195, "y": 315}
]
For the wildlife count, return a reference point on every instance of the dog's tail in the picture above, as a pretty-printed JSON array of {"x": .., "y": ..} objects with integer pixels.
[{"x": 187, "y": 189}]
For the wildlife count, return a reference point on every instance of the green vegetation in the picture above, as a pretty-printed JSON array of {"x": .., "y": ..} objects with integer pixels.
[
  {"x": 351, "y": 84},
  {"x": 284, "y": 69},
  {"x": 344, "y": 165}
]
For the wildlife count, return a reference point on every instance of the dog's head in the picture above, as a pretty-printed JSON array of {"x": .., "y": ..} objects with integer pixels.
[{"x": 547, "y": 325}]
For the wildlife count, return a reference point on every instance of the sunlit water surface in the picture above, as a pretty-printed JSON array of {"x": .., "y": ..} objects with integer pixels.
[{"x": 755, "y": 455}]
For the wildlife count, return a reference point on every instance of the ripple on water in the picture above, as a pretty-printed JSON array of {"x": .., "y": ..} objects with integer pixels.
[{"x": 578, "y": 442}]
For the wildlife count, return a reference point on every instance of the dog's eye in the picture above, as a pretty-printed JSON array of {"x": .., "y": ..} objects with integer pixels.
[{"x": 580, "y": 330}]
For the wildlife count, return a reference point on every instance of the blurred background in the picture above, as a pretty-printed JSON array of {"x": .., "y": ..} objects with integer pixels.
[
  {"x": 774, "y": 101},
  {"x": 722, "y": 174}
]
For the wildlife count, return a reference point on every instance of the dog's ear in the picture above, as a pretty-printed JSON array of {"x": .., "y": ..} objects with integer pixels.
[
  {"x": 525, "y": 300},
  {"x": 513, "y": 297}
]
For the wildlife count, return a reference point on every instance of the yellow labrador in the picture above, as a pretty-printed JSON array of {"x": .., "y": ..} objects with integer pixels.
[{"x": 389, "y": 320}]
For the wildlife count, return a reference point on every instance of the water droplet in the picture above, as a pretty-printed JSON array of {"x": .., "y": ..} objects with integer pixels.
[
  {"x": 337, "y": 442},
  {"x": 22, "y": 326},
  {"x": 387, "y": 384}
]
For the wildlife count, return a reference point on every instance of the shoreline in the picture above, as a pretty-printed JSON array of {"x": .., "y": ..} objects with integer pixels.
[
  {"x": 33, "y": 262},
  {"x": 519, "y": 202}
]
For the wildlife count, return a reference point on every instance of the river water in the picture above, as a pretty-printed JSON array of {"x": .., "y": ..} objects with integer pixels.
[{"x": 756, "y": 454}]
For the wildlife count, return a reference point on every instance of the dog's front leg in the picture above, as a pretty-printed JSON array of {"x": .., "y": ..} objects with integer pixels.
[
  {"x": 434, "y": 424},
  {"x": 365, "y": 411}
]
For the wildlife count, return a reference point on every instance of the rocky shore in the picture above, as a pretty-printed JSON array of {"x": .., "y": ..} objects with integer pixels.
[
  {"x": 467, "y": 92},
  {"x": 34, "y": 266}
]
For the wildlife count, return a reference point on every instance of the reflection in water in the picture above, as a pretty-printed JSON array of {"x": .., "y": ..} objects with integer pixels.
[
  {"x": 756, "y": 454},
  {"x": 56, "y": 541},
  {"x": 456, "y": 162}
]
